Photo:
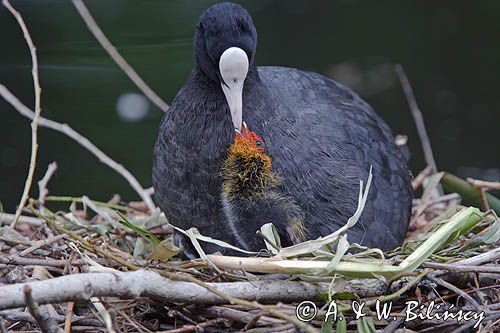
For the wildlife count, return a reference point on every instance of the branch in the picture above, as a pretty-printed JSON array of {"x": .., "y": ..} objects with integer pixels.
[
  {"x": 38, "y": 110},
  {"x": 418, "y": 117},
  {"x": 485, "y": 184},
  {"x": 44, "y": 321},
  {"x": 26, "y": 317},
  {"x": 42, "y": 185},
  {"x": 116, "y": 56},
  {"x": 131, "y": 285},
  {"x": 83, "y": 141},
  {"x": 6, "y": 218},
  {"x": 421, "y": 177}
]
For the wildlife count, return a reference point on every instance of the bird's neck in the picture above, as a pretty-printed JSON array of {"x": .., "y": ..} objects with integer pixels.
[{"x": 246, "y": 173}]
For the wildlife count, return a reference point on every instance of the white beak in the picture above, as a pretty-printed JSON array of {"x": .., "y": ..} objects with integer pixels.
[{"x": 233, "y": 67}]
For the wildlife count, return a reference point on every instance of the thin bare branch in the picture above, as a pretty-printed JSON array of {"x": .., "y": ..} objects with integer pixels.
[
  {"x": 83, "y": 141},
  {"x": 6, "y": 218},
  {"x": 45, "y": 322},
  {"x": 421, "y": 177},
  {"x": 42, "y": 185},
  {"x": 116, "y": 56},
  {"x": 15, "y": 315},
  {"x": 419, "y": 120},
  {"x": 38, "y": 110},
  {"x": 484, "y": 184},
  {"x": 41, "y": 243}
]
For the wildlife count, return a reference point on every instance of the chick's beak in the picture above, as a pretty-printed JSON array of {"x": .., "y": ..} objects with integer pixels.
[
  {"x": 243, "y": 134},
  {"x": 233, "y": 67}
]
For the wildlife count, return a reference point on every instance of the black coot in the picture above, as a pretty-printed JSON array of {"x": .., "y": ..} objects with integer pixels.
[{"x": 321, "y": 136}]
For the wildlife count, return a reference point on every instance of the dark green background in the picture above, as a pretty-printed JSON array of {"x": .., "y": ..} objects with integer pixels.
[{"x": 450, "y": 50}]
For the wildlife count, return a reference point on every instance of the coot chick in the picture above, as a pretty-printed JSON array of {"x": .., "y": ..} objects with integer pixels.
[
  {"x": 251, "y": 197},
  {"x": 321, "y": 136}
]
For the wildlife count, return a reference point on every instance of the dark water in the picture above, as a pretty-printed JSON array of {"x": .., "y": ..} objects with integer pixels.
[{"x": 450, "y": 50}]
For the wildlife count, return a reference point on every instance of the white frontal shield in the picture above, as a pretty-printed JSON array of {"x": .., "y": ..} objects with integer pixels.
[{"x": 233, "y": 67}]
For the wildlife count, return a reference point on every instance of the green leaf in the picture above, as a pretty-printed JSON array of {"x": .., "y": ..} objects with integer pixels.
[
  {"x": 141, "y": 232},
  {"x": 365, "y": 325},
  {"x": 327, "y": 325},
  {"x": 341, "y": 324}
]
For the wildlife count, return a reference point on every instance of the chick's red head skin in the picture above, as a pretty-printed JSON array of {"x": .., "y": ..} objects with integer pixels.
[{"x": 250, "y": 139}]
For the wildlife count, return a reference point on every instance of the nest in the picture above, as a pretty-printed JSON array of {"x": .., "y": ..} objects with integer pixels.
[{"x": 111, "y": 266}]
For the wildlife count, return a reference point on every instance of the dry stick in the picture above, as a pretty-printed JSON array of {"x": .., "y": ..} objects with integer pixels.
[
  {"x": 417, "y": 116},
  {"x": 83, "y": 141},
  {"x": 145, "y": 283},
  {"x": 197, "y": 327},
  {"x": 233, "y": 300},
  {"x": 44, "y": 322},
  {"x": 34, "y": 123},
  {"x": 116, "y": 56},
  {"x": 41, "y": 243},
  {"x": 463, "y": 269},
  {"x": 80, "y": 239},
  {"x": 6, "y": 218},
  {"x": 42, "y": 184},
  {"x": 69, "y": 316},
  {"x": 26, "y": 317},
  {"x": 456, "y": 290},
  {"x": 485, "y": 184},
  {"x": 419, "y": 119},
  {"x": 418, "y": 181}
]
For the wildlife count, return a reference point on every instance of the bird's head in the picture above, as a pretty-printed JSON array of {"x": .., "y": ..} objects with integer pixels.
[
  {"x": 247, "y": 169},
  {"x": 224, "y": 46},
  {"x": 250, "y": 140}
]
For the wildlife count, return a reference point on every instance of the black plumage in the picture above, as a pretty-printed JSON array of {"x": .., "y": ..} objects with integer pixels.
[{"x": 321, "y": 136}]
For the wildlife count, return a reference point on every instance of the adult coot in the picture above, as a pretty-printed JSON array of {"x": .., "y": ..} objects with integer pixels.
[{"x": 321, "y": 137}]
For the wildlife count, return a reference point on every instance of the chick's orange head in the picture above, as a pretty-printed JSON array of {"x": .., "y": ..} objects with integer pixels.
[{"x": 245, "y": 137}]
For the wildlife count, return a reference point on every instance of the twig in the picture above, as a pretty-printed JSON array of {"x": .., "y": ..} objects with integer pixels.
[
  {"x": 237, "y": 315},
  {"x": 485, "y": 184},
  {"x": 131, "y": 285},
  {"x": 83, "y": 241},
  {"x": 69, "y": 316},
  {"x": 419, "y": 119},
  {"x": 417, "y": 182},
  {"x": 26, "y": 317},
  {"x": 116, "y": 56},
  {"x": 196, "y": 328},
  {"x": 6, "y": 218},
  {"x": 48, "y": 262},
  {"x": 45, "y": 323},
  {"x": 14, "y": 241},
  {"x": 484, "y": 200},
  {"x": 456, "y": 290},
  {"x": 417, "y": 116},
  {"x": 237, "y": 300},
  {"x": 42, "y": 184},
  {"x": 481, "y": 259},
  {"x": 81, "y": 140},
  {"x": 38, "y": 110},
  {"x": 463, "y": 268},
  {"x": 41, "y": 243}
]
